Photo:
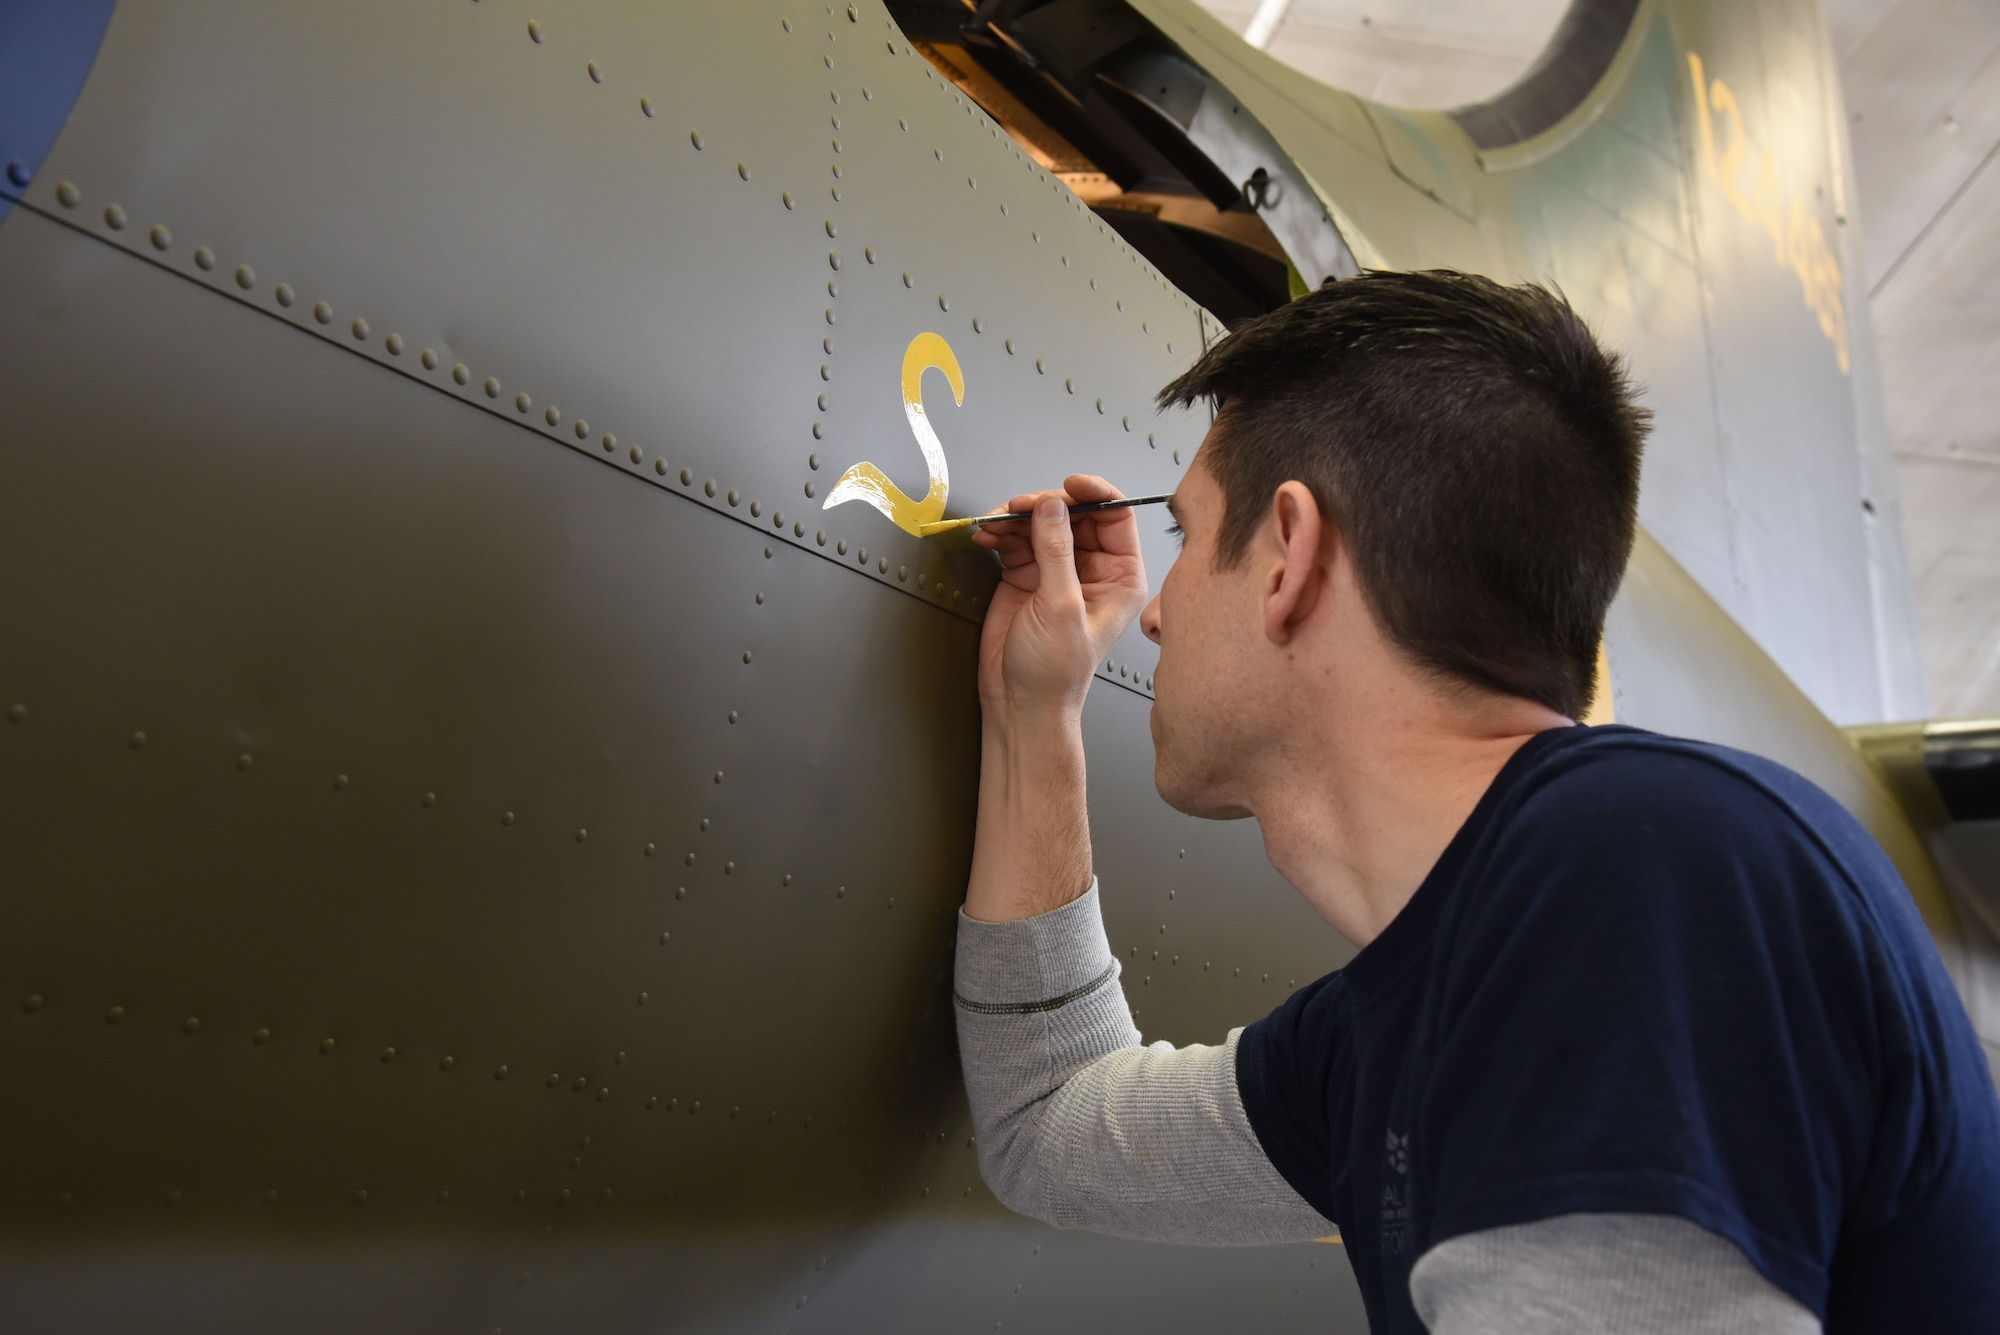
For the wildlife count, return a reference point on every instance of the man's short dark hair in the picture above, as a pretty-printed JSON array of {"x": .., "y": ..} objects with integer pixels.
[{"x": 1477, "y": 449}]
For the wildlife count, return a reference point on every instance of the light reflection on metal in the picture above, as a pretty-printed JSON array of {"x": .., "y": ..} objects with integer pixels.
[{"x": 866, "y": 482}]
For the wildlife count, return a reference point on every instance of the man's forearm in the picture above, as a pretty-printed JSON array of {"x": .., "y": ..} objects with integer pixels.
[{"x": 1032, "y": 850}]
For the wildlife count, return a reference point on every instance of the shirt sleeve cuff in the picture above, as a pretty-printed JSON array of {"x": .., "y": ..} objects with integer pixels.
[{"x": 1033, "y": 960}]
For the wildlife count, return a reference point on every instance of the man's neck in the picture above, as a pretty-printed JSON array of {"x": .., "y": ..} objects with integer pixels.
[{"x": 1372, "y": 796}]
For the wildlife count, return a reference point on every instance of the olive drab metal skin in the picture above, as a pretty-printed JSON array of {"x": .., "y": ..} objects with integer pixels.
[{"x": 488, "y": 768}]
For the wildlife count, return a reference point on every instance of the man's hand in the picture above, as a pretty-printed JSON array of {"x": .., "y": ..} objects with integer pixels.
[
  {"x": 1065, "y": 595},
  {"x": 1067, "y": 591}
]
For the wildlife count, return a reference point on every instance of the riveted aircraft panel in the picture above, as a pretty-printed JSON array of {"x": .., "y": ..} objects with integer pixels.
[{"x": 418, "y": 832}]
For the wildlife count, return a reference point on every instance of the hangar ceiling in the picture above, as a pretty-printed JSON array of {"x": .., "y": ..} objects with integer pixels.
[{"x": 1922, "y": 83}]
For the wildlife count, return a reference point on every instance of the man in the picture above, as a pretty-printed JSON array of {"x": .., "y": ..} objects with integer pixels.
[{"x": 1643, "y": 1035}]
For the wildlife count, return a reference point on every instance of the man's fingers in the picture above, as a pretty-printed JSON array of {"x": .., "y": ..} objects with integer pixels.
[{"x": 1055, "y": 545}]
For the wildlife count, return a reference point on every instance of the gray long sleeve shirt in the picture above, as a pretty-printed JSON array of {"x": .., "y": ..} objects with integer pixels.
[{"x": 1081, "y": 1126}]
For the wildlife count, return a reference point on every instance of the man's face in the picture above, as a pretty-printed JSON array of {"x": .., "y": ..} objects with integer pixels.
[{"x": 1206, "y": 622}]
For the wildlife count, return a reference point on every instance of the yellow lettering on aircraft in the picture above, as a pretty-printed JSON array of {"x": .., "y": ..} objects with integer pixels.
[
  {"x": 866, "y": 482},
  {"x": 1748, "y": 176}
]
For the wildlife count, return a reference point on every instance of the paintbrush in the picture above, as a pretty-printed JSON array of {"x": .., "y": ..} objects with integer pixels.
[{"x": 1088, "y": 508}]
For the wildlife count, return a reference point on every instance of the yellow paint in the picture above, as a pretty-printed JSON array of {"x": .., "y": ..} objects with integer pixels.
[
  {"x": 1600, "y": 710},
  {"x": 1797, "y": 239},
  {"x": 1335, "y": 1239},
  {"x": 936, "y": 527},
  {"x": 865, "y": 482}
]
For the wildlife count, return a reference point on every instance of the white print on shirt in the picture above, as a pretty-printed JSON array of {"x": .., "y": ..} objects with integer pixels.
[{"x": 1396, "y": 1196}]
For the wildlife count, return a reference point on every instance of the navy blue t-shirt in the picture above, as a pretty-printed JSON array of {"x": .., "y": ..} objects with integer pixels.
[{"x": 1651, "y": 976}]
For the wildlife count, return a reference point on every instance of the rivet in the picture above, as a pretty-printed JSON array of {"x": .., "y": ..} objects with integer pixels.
[
  {"x": 853, "y": 15},
  {"x": 1177, "y": 456},
  {"x": 728, "y": 868},
  {"x": 326, "y": 1047},
  {"x": 552, "y": 415},
  {"x": 359, "y": 328},
  {"x": 642, "y": 1001},
  {"x": 862, "y": 556},
  {"x": 610, "y": 442},
  {"x": 461, "y": 373},
  {"x": 636, "y": 454},
  {"x": 394, "y": 343},
  {"x": 840, "y": 893},
  {"x": 944, "y": 302},
  {"x": 430, "y": 800},
  {"x": 534, "y": 30},
  {"x": 833, "y": 258},
  {"x": 17, "y": 172},
  {"x": 736, "y": 1111},
  {"x": 1039, "y": 368},
  {"x": 892, "y": 901},
  {"x": 1069, "y": 384},
  {"x": 835, "y": 169},
  {"x": 33, "y": 1003},
  {"x": 978, "y": 325},
  {"x": 923, "y": 581},
  {"x": 883, "y": 566},
  {"x": 444, "y": 1197},
  {"x": 246, "y": 277},
  {"x": 429, "y": 359},
  {"x": 687, "y": 476},
  {"x": 1151, "y": 444},
  {"x": 603, "y": 1094},
  {"x": 820, "y": 537},
  {"x": 67, "y": 195},
  {"x": 694, "y": 137},
  {"x": 522, "y": 402},
  {"x": 204, "y": 258},
  {"x": 841, "y": 547},
  {"x": 243, "y": 761},
  {"x": 708, "y": 487},
  {"x": 596, "y": 74},
  {"x": 809, "y": 489},
  {"x": 660, "y": 467},
  {"x": 160, "y": 237},
  {"x": 500, "y": 1073},
  {"x": 652, "y": 1103},
  {"x": 553, "y": 1080},
  {"x": 829, "y": 310},
  {"x": 1065, "y": 261},
  {"x": 1100, "y": 407},
  {"x": 743, "y": 170},
  {"x": 903, "y": 574},
  {"x": 507, "y": 818},
  {"x": 938, "y": 153},
  {"x": 828, "y": 62},
  {"x": 388, "y": 1054},
  {"x": 114, "y": 217},
  {"x": 906, "y": 279},
  {"x": 520, "y": 1196},
  {"x": 261, "y": 1037},
  {"x": 445, "y": 1064},
  {"x": 971, "y": 184},
  {"x": 718, "y": 773},
  {"x": 760, "y": 599},
  {"x": 786, "y": 197},
  {"x": 680, "y": 892},
  {"x": 582, "y": 835},
  {"x": 732, "y": 716},
  {"x": 137, "y": 740},
  {"x": 818, "y": 430},
  {"x": 704, "y": 824},
  {"x": 690, "y": 859},
  {"x": 835, "y": 191},
  {"x": 191, "y": 1025},
  {"x": 1093, "y": 285},
  {"x": 734, "y": 496},
  {"x": 1125, "y": 422},
  {"x": 646, "y": 105}
]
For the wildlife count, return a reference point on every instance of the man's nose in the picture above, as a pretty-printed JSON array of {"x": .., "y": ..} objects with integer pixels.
[{"x": 1149, "y": 620}]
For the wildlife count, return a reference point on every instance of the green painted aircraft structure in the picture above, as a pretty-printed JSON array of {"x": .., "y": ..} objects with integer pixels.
[{"x": 481, "y": 835}]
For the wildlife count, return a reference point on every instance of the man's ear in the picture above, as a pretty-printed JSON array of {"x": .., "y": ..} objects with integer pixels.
[{"x": 1295, "y": 532}]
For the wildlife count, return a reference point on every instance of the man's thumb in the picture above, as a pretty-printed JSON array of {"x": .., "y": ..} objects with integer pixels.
[{"x": 1055, "y": 547}]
